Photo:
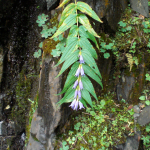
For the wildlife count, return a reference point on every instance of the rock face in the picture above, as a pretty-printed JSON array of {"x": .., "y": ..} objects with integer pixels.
[
  {"x": 109, "y": 10},
  {"x": 144, "y": 117},
  {"x": 124, "y": 89},
  {"x": 47, "y": 117},
  {"x": 132, "y": 143},
  {"x": 140, "y": 6}
]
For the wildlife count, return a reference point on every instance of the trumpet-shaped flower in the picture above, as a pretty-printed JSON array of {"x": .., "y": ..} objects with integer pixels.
[
  {"x": 77, "y": 93},
  {"x": 78, "y": 72},
  {"x": 80, "y": 105},
  {"x": 75, "y": 84},
  {"x": 81, "y": 60},
  {"x": 80, "y": 85},
  {"x": 75, "y": 103},
  {"x": 82, "y": 71}
]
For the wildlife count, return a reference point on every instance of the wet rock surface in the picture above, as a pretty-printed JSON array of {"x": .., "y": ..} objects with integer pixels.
[
  {"x": 140, "y": 6},
  {"x": 48, "y": 117},
  {"x": 132, "y": 143},
  {"x": 110, "y": 11},
  {"x": 144, "y": 117},
  {"x": 124, "y": 89}
]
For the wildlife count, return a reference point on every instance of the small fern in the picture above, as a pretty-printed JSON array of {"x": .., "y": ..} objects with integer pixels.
[{"x": 130, "y": 60}]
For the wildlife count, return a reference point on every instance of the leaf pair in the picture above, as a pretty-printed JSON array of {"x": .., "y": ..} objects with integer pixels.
[{"x": 69, "y": 17}]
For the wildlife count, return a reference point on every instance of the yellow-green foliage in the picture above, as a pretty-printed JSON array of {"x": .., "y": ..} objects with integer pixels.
[{"x": 130, "y": 60}]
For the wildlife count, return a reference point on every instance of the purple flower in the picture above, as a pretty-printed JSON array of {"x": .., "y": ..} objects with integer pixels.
[
  {"x": 78, "y": 72},
  {"x": 80, "y": 105},
  {"x": 82, "y": 71},
  {"x": 76, "y": 93},
  {"x": 75, "y": 84},
  {"x": 80, "y": 85},
  {"x": 75, "y": 103},
  {"x": 81, "y": 60},
  {"x": 79, "y": 94}
]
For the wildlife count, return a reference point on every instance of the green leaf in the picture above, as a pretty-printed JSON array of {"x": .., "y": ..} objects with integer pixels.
[
  {"x": 85, "y": 8},
  {"x": 46, "y": 33},
  {"x": 71, "y": 59},
  {"x": 67, "y": 23},
  {"x": 63, "y": 3},
  {"x": 41, "y": 45},
  {"x": 55, "y": 53},
  {"x": 106, "y": 55},
  {"x": 88, "y": 86},
  {"x": 60, "y": 37},
  {"x": 122, "y": 24},
  {"x": 68, "y": 97},
  {"x": 37, "y": 54},
  {"x": 91, "y": 74},
  {"x": 74, "y": 30},
  {"x": 72, "y": 73},
  {"x": 83, "y": 102},
  {"x": 85, "y": 95},
  {"x": 85, "y": 21},
  {"x": 148, "y": 45},
  {"x": 85, "y": 44},
  {"x": 70, "y": 9},
  {"x": 90, "y": 61},
  {"x": 71, "y": 77},
  {"x": 147, "y": 102},
  {"x": 142, "y": 98},
  {"x": 83, "y": 33},
  {"x": 72, "y": 45},
  {"x": 42, "y": 19},
  {"x": 129, "y": 28}
]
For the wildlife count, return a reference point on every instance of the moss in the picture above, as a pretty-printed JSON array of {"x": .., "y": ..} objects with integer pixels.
[
  {"x": 48, "y": 46},
  {"x": 33, "y": 108},
  {"x": 23, "y": 89}
]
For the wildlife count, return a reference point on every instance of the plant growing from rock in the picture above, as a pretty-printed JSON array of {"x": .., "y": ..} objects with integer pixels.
[{"x": 79, "y": 53}]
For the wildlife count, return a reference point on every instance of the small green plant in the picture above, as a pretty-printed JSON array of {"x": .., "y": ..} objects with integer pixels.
[
  {"x": 147, "y": 77},
  {"x": 101, "y": 127},
  {"x": 79, "y": 54},
  {"x": 146, "y": 138},
  {"x": 64, "y": 147},
  {"x": 144, "y": 97},
  {"x": 105, "y": 48},
  {"x": 42, "y": 19}
]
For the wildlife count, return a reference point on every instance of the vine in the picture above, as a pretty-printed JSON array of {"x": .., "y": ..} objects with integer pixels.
[{"x": 79, "y": 53}]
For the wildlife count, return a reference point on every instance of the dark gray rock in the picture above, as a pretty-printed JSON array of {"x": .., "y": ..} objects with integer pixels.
[
  {"x": 3, "y": 128},
  {"x": 136, "y": 109},
  {"x": 1, "y": 62},
  {"x": 125, "y": 87},
  {"x": 141, "y": 6},
  {"x": 144, "y": 117},
  {"x": 50, "y": 3},
  {"x": 48, "y": 116},
  {"x": 132, "y": 143}
]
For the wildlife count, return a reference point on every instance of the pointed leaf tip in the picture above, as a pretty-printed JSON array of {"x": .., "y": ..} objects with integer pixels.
[{"x": 63, "y": 3}]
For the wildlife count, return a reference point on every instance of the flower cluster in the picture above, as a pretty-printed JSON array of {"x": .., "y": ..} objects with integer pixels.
[{"x": 78, "y": 86}]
